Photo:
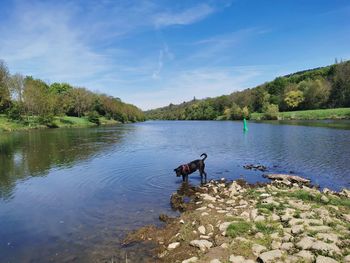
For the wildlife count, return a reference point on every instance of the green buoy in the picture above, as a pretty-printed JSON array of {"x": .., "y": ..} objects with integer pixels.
[{"x": 245, "y": 127}]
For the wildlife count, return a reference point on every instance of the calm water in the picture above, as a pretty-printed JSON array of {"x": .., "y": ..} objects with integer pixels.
[{"x": 71, "y": 194}]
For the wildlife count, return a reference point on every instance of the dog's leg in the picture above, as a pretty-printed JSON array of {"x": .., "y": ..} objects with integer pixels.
[
  {"x": 205, "y": 174},
  {"x": 183, "y": 178}
]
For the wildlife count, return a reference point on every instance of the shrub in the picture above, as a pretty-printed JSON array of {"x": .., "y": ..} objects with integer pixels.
[
  {"x": 14, "y": 112},
  {"x": 94, "y": 117},
  {"x": 271, "y": 112}
]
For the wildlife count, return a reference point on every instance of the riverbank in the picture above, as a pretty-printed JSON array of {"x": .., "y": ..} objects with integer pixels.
[
  {"x": 7, "y": 124},
  {"x": 321, "y": 114},
  {"x": 225, "y": 221}
]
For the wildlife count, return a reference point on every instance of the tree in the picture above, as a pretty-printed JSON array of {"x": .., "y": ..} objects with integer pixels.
[
  {"x": 271, "y": 112},
  {"x": 293, "y": 98},
  {"x": 340, "y": 93},
  {"x": 236, "y": 112},
  {"x": 316, "y": 93},
  {"x": 36, "y": 97},
  {"x": 81, "y": 101},
  {"x": 16, "y": 87},
  {"x": 5, "y": 98}
]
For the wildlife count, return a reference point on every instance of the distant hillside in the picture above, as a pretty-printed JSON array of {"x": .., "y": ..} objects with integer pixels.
[{"x": 319, "y": 88}]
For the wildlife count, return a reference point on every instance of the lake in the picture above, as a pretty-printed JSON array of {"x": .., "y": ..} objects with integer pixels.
[{"x": 73, "y": 194}]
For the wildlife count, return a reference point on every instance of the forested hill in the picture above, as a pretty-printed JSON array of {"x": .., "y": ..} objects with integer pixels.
[
  {"x": 319, "y": 88},
  {"x": 22, "y": 97}
]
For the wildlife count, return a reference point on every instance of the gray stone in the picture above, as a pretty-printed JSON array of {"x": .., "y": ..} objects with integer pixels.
[
  {"x": 324, "y": 199},
  {"x": 287, "y": 246},
  {"x": 258, "y": 249},
  {"x": 215, "y": 260},
  {"x": 347, "y": 259},
  {"x": 306, "y": 255},
  {"x": 201, "y": 230},
  {"x": 325, "y": 247},
  {"x": 224, "y": 226},
  {"x": 203, "y": 245},
  {"x": 322, "y": 259},
  {"x": 190, "y": 260},
  {"x": 297, "y": 229},
  {"x": 173, "y": 245},
  {"x": 236, "y": 259},
  {"x": 270, "y": 256},
  {"x": 305, "y": 242}
]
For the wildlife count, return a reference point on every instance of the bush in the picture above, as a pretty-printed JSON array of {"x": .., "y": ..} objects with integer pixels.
[
  {"x": 47, "y": 120},
  {"x": 14, "y": 112},
  {"x": 94, "y": 117},
  {"x": 238, "y": 228},
  {"x": 271, "y": 112}
]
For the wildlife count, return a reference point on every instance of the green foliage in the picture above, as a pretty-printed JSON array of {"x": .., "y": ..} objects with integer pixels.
[
  {"x": 271, "y": 112},
  {"x": 33, "y": 98},
  {"x": 325, "y": 87},
  {"x": 15, "y": 112},
  {"x": 94, "y": 117},
  {"x": 266, "y": 228},
  {"x": 293, "y": 98},
  {"x": 238, "y": 228}
]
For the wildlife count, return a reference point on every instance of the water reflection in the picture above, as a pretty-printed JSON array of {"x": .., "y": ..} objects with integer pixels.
[{"x": 34, "y": 153}]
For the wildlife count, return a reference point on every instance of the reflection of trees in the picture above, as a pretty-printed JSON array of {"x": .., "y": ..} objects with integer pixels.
[{"x": 34, "y": 153}]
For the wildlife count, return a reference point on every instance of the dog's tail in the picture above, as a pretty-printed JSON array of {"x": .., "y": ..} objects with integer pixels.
[{"x": 205, "y": 156}]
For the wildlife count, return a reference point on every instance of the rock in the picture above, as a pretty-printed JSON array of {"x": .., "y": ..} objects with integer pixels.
[
  {"x": 297, "y": 229},
  {"x": 346, "y": 217},
  {"x": 258, "y": 249},
  {"x": 245, "y": 215},
  {"x": 224, "y": 245},
  {"x": 288, "y": 177},
  {"x": 236, "y": 259},
  {"x": 275, "y": 244},
  {"x": 207, "y": 197},
  {"x": 190, "y": 260},
  {"x": 201, "y": 230},
  {"x": 327, "y": 191},
  {"x": 182, "y": 222},
  {"x": 305, "y": 242},
  {"x": 204, "y": 214},
  {"x": 204, "y": 237},
  {"x": 299, "y": 205},
  {"x": 319, "y": 228},
  {"x": 253, "y": 213},
  {"x": 259, "y": 235},
  {"x": 328, "y": 237},
  {"x": 324, "y": 247},
  {"x": 270, "y": 256},
  {"x": 215, "y": 261},
  {"x": 275, "y": 217},
  {"x": 345, "y": 193},
  {"x": 287, "y": 246},
  {"x": 324, "y": 199},
  {"x": 306, "y": 256},
  {"x": 347, "y": 259},
  {"x": 201, "y": 208},
  {"x": 224, "y": 226},
  {"x": 264, "y": 195},
  {"x": 203, "y": 245},
  {"x": 259, "y": 218},
  {"x": 322, "y": 259},
  {"x": 173, "y": 245}
]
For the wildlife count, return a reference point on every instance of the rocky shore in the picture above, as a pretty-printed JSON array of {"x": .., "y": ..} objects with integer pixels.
[{"x": 232, "y": 221}]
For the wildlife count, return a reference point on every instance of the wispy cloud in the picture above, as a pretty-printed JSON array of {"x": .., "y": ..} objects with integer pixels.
[{"x": 184, "y": 17}]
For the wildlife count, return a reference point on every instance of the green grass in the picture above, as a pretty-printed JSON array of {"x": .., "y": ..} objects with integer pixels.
[
  {"x": 265, "y": 227},
  {"x": 31, "y": 122},
  {"x": 322, "y": 114},
  {"x": 238, "y": 228}
]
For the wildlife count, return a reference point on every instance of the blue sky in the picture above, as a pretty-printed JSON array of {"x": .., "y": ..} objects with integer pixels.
[{"x": 152, "y": 53}]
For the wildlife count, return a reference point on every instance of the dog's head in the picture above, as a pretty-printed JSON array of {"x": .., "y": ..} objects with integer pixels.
[{"x": 178, "y": 171}]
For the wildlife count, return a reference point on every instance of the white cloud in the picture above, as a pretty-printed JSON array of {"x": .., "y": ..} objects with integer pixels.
[{"x": 185, "y": 17}]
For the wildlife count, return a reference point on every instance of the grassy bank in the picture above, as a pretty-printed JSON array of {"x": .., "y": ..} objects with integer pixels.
[
  {"x": 32, "y": 122},
  {"x": 324, "y": 114}
]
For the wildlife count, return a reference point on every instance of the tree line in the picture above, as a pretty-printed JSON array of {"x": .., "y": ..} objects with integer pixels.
[
  {"x": 320, "y": 88},
  {"x": 23, "y": 96}
]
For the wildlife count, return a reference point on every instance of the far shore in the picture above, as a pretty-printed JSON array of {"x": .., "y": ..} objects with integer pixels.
[{"x": 8, "y": 125}]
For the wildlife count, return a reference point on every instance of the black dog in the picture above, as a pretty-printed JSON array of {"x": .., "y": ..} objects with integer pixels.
[{"x": 191, "y": 167}]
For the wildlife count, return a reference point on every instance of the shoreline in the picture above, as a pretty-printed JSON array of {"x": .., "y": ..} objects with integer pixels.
[
  {"x": 233, "y": 221},
  {"x": 8, "y": 125}
]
